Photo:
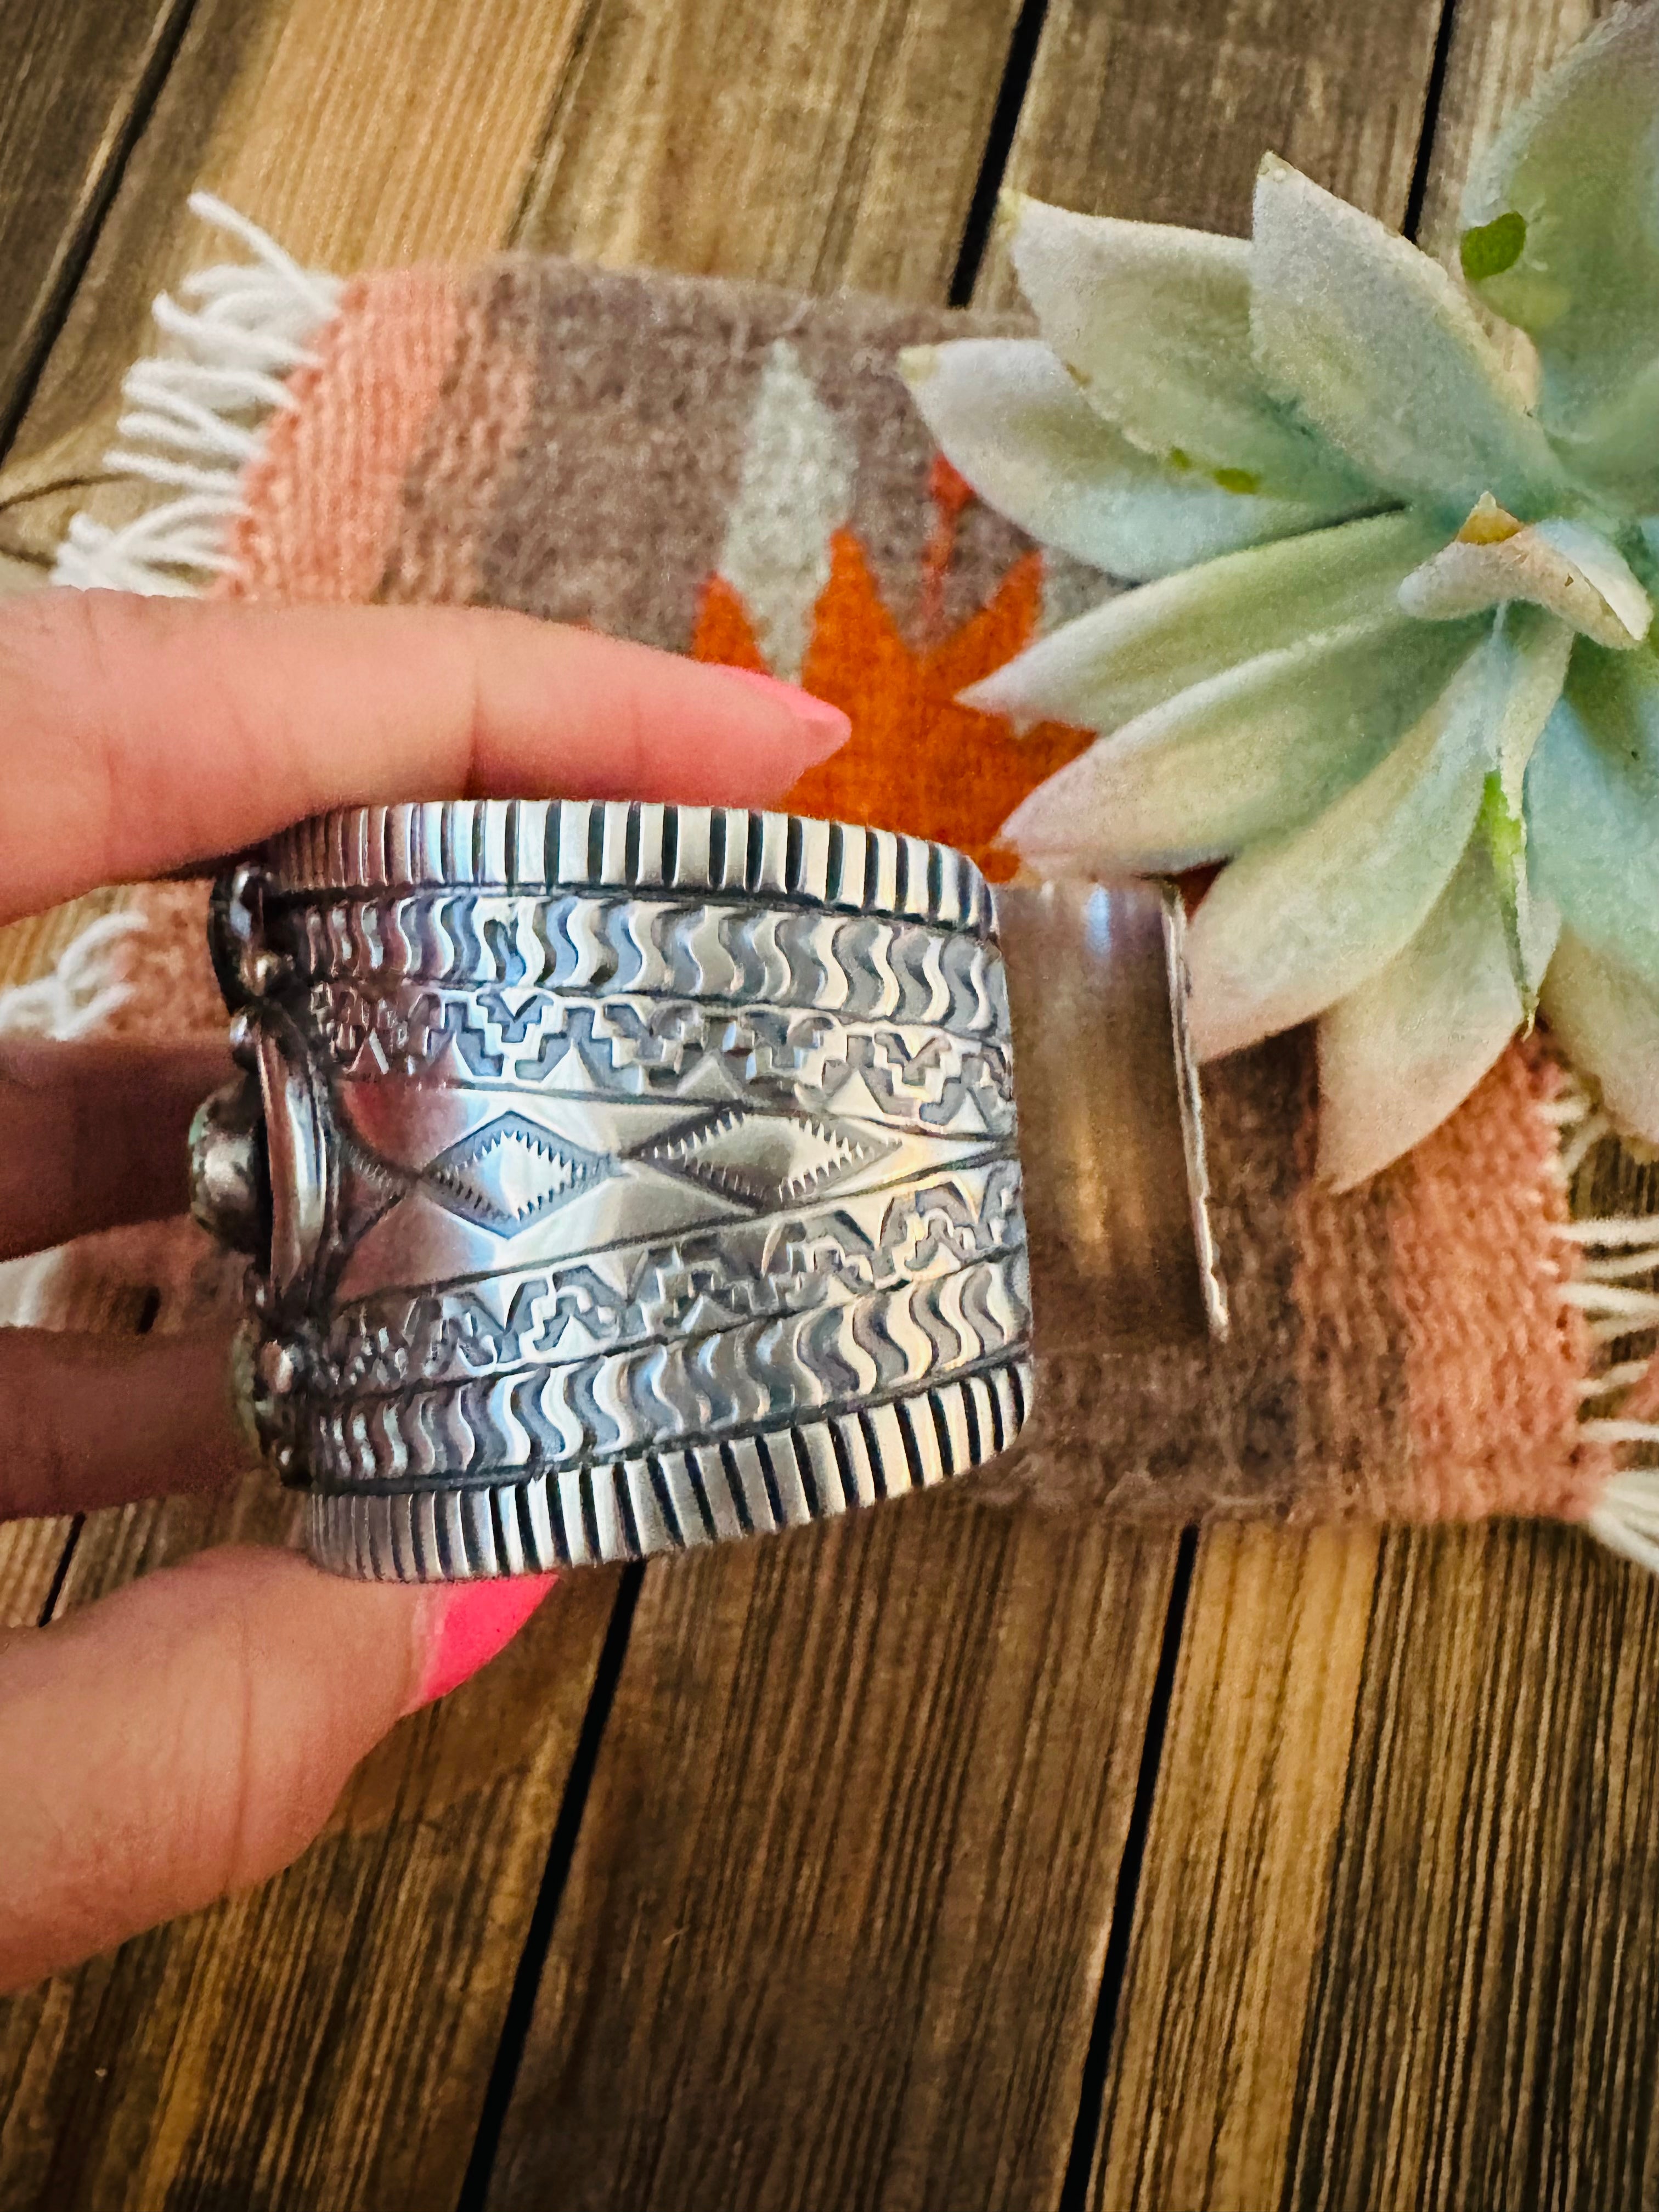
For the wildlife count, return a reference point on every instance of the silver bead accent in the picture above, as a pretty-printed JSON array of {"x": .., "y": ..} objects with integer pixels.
[
  {"x": 263, "y": 971},
  {"x": 276, "y": 1368},
  {"x": 245, "y": 1040},
  {"x": 229, "y": 1190}
]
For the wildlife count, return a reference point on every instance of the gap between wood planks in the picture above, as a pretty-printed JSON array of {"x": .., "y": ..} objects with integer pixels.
[
  {"x": 1432, "y": 100},
  {"x": 1078, "y": 2186},
  {"x": 98, "y": 194},
  {"x": 998, "y": 144},
  {"x": 1075, "y": 2186},
  {"x": 561, "y": 1849}
]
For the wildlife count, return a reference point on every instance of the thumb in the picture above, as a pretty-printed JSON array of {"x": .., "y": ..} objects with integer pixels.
[{"x": 189, "y": 1734}]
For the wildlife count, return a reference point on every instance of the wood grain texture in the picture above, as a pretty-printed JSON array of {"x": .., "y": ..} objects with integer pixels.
[
  {"x": 71, "y": 411},
  {"x": 77, "y": 76},
  {"x": 836, "y": 1918},
  {"x": 1199, "y": 2098},
  {"x": 1483, "y": 2024},
  {"x": 31, "y": 1556},
  {"x": 1162, "y": 114},
  {"x": 357, "y": 132},
  {"x": 750, "y": 138},
  {"x": 324, "y": 2039}
]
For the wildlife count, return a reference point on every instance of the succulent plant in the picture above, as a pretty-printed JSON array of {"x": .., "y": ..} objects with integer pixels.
[{"x": 1389, "y": 657}]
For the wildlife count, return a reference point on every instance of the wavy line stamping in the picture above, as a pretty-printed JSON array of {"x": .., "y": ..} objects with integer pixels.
[
  {"x": 683, "y": 1390},
  {"x": 863, "y": 966}
]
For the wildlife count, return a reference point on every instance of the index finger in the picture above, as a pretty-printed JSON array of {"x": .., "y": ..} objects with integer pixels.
[{"x": 137, "y": 735}]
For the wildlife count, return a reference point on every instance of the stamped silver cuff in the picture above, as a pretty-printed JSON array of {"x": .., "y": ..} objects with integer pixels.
[{"x": 616, "y": 1178}]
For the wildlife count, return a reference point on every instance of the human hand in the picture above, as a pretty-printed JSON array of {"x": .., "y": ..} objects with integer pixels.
[{"x": 189, "y": 1734}]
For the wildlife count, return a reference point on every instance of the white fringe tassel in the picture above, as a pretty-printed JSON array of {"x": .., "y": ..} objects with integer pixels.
[
  {"x": 197, "y": 411},
  {"x": 195, "y": 417},
  {"x": 1627, "y": 1519},
  {"x": 1616, "y": 1249},
  {"x": 79, "y": 996}
]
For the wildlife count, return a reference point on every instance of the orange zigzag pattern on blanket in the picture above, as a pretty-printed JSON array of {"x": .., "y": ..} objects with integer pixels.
[{"x": 917, "y": 760}]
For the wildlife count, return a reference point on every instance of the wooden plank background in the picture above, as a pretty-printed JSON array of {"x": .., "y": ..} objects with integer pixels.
[{"x": 942, "y": 1857}]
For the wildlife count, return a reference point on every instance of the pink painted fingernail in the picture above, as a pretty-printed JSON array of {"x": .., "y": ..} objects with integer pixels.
[
  {"x": 471, "y": 1625},
  {"x": 825, "y": 721}
]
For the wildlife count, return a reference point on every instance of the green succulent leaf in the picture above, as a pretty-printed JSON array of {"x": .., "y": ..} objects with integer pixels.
[
  {"x": 1154, "y": 323},
  {"x": 1008, "y": 414},
  {"x": 1377, "y": 346},
  {"x": 1295, "y": 925},
  {"x": 1243, "y": 755},
  {"x": 1411, "y": 1041},
  {"x": 1608, "y": 1021},
  {"x": 1561, "y": 565},
  {"x": 1144, "y": 647},
  {"x": 1502, "y": 827},
  {"x": 1592, "y": 807},
  {"x": 1572, "y": 182}
]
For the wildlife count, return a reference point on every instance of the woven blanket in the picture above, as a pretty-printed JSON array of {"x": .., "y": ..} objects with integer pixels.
[{"x": 738, "y": 473}]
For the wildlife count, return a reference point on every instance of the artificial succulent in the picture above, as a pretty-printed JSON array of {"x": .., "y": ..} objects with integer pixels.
[{"x": 1390, "y": 658}]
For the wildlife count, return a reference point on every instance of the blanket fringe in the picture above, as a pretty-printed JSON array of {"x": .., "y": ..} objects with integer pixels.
[
  {"x": 1627, "y": 1519},
  {"x": 85, "y": 991},
  {"x": 1615, "y": 1288},
  {"x": 196, "y": 413},
  {"x": 195, "y": 417}
]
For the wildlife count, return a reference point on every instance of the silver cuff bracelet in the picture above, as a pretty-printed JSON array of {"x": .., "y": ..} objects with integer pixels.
[{"x": 619, "y": 1178}]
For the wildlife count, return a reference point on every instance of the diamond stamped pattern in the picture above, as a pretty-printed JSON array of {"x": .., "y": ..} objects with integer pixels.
[
  {"x": 768, "y": 1160},
  {"x": 509, "y": 1175}
]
